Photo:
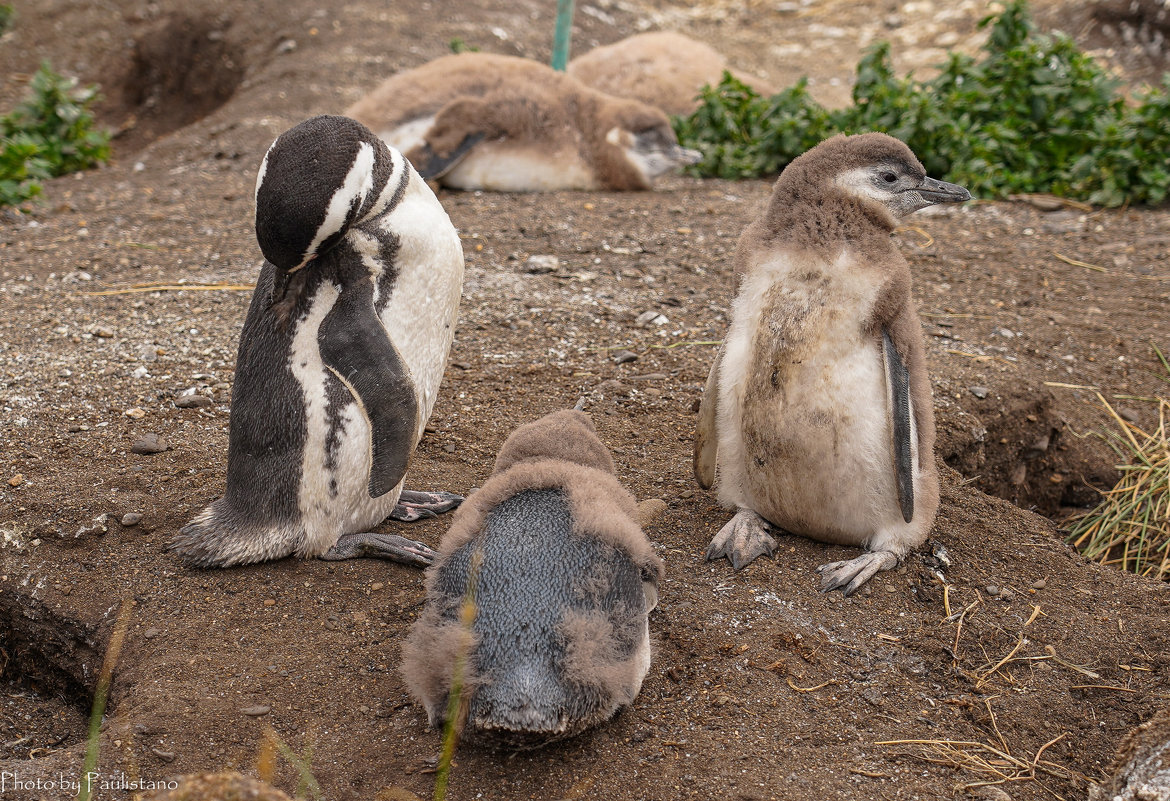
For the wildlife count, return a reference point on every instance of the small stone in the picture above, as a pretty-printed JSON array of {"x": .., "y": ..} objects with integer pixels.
[
  {"x": 461, "y": 365},
  {"x": 131, "y": 519},
  {"x": 96, "y": 528},
  {"x": 148, "y": 353},
  {"x": 103, "y": 332},
  {"x": 992, "y": 589},
  {"x": 991, "y": 794},
  {"x": 682, "y": 230},
  {"x": 650, "y": 317},
  {"x": 1128, "y": 415},
  {"x": 192, "y": 401},
  {"x": 449, "y": 447},
  {"x": 1006, "y": 594},
  {"x": 165, "y": 756},
  {"x": 614, "y": 388},
  {"x": 625, "y": 357},
  {"x": 1019, "y": 474},
  {"x": 286, "y": 46},
  {"x": 889, "y": 588},
  {"x": 148, "y": 444},
  {"x": 978, "y": 392},
  {"x": 1056, "y": 478},
  {"x": 151, "y": 633},
  {"x": 377, "y": 585},
  {"x": 16, "y": 480},
  {"x": 537, "y": 265},
  {"x": 269, "y": 602},
  {"x": 135, "y": 413},
  {"x": 650, "y": 377},
  {"x": 256, "y": 711},
  {"x": 1039, "y": 584},
  {"x": 139, "y": 372}
]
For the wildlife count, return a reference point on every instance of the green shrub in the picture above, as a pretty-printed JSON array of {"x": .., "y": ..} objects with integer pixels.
[
  {"x": 1033, "y": 114},
  {"x": 50, "y": 133}
]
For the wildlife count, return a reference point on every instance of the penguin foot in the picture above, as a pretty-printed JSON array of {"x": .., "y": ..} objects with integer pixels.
[
  {"x": 413, "y": 506},
  {"x": 742, "y": 540},
  {"x": 380, "y": 546},
  {"x": 852, "y": 573}
]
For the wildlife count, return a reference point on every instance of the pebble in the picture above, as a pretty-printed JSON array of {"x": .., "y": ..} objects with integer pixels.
[
  {"x": 151, "y": 633},
  {"x": 625, "y": 357},
  {"x": 16, "y": 480},
  {"x": 97, "y": 527},
  {"x": 192, "y": 401},
  {"x": 449, "y": 447},
  {"x": 259, "y": 710},
  {"x": 650, "y": 377},
  {"x": 1006, "y": 595},
  {"x": 1039, "y": 584},
  {"x": 148, "y": 444},
  {"x": 614, "y": 388},
  {"x": 1128, "y": 415},
  {"x": 131, "y": 519},
  {"x": 992, "y": 589},
  {"x": 269, "y": 602},
  {"x": 979, "y": 392},
  {"x": 148, "y": 353},
  {"x": 165, "y": 756},
  {"x": 991, "y": 794},
  {"x": 135, "y": 413},
  {"x": 140, "y": 372},
  {"x": 377, "y": 585},
  {"x": 650, "y": 317},
  {"x": 889, "y": 588},
  {"x": 542, "y": 264},
  {"x": 103, "y": 332}
]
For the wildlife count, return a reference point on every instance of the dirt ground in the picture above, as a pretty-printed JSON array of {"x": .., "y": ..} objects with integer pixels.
[{"x": 761, "y": 686}]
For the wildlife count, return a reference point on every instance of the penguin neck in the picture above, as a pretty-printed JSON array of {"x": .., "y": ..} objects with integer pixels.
[{"x": 826, "y": 220}]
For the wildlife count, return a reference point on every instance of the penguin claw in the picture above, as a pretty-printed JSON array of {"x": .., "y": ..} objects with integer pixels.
[
  {"x": 414, "y": 506},
  {"x": 381, "y": 546},
  {"x": 742, "y": 540},
  {"x": 851, "y": 574}
]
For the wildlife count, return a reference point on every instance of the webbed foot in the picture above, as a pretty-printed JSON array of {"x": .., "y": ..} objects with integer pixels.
[
  {"x": 381, "y": 546},
  {"x": 852, "y": 573},
  {"x": 742, "y": 540},
  {"x": 413, "y": 506}
]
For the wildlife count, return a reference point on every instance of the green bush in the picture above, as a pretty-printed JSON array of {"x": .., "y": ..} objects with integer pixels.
[
  {"x": 1033, "y": 114},
  {"x": 50, "y": 133}
]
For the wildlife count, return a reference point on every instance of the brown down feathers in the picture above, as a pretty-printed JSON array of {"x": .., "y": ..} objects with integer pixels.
[{"x": 514, "y": 98}]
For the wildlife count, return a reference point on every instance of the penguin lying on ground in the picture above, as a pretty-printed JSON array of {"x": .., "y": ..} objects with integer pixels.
[
  {"x": 562, "y": 579},
  {"x": 818, "y": 407},
  {"x": 340, "y": 357},
  {"x": 662, "y": 68},
  {"x": 482, "y": 121}
]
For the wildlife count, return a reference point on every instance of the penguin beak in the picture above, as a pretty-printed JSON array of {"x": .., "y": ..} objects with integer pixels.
[
  {"x": 685, "y": 156},
  {"x": 933, "y": 191}
]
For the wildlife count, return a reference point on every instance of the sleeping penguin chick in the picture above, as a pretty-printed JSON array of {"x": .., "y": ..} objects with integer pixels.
[
  {"x": 340, "y": 357},
  {"x": 482, "y": 121},
  {"x": 818, "y": 408},
  {"x": 562, "y": 580},
  {"x": 661, "y": 68}
]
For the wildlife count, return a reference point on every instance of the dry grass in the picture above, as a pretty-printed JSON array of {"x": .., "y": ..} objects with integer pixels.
[{"x": 1130, "y": 527}]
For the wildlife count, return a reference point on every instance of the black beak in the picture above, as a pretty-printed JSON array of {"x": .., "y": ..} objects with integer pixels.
[{"x": 934, "y": 191}]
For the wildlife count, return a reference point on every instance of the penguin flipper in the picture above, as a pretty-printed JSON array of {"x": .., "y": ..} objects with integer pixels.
[
  {"x": 898, "y": 384},
  {"x": 431, "y": 166},
  {"x": 355, "y": 347},
  {"x": 706, "y": 437}
]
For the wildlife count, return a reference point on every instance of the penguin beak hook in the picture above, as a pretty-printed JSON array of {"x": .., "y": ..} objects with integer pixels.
[{"x": 935, "y": 191}]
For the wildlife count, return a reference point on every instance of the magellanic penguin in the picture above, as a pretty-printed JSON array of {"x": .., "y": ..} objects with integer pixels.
[
  {"x": 482, "y": 121},
  {"x": 562, "y": 579},
  {"x": 340, "y": 357},
  {"x": 661, "y": 68},
  {"x": 818, "y": 407}
]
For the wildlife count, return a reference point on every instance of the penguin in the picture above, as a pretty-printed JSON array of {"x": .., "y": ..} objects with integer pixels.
[
  {"x": 562, "y": 579},
  {"x": 817, "y": 410},
  {"x": 483, "y": 121},
  {"x": 340, "y": 357},
  {"x": 1140, "y": 770},
  {"x": 661, "y": 68}
]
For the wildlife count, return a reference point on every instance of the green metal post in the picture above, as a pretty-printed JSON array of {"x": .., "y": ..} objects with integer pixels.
[{"x": 560, "y": 54}]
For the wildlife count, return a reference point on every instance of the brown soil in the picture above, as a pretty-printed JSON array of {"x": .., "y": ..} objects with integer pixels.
[{"x": 761, "y": 687}]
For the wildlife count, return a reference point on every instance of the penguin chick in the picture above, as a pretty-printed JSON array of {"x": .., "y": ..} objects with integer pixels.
[
  {"x": 818, "y": 407},
  {"x": 562, "y": 579},
  {"x": 1141, "y": 767},
  {"x": 661, "y": 68},
  {"x": 482, "y": 121},
  {"x": 340, "y": 356}
]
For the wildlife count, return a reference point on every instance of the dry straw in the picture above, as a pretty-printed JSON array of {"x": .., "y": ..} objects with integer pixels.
[{"x": 1130, "y": 527}]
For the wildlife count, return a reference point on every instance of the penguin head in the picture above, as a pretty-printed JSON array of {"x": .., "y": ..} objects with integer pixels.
[
  {"x": 567, "y": 435},
  {"x": 874, "y": 168},
  {"x": 645, "y": 141},
  {"x": 317, "y": 180}
]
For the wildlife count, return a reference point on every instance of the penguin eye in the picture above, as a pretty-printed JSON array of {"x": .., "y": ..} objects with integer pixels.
[{"x": 889, "y": 177}]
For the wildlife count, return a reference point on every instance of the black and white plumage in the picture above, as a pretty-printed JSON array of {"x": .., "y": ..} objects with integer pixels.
[
  {"x": 818, "y": 408},
  {"x": 340, "y": 356},
  {"x": 562, "y": 579}
]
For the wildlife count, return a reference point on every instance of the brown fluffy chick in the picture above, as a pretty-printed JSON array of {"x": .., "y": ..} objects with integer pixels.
[
  {"x": 562, "y": 579},
  {"x": 818, "y": 408},
  {"x": 484, "y": 121},
  {"x": 660, "y": 68}
]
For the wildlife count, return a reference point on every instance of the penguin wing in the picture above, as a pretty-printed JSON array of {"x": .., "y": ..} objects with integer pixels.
[
  {"x": 706, "y": 437},
  {"x": 898, "y": 389},
  {"x": 355, "y": 347},
  {"x": 431, "y": 166}
]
